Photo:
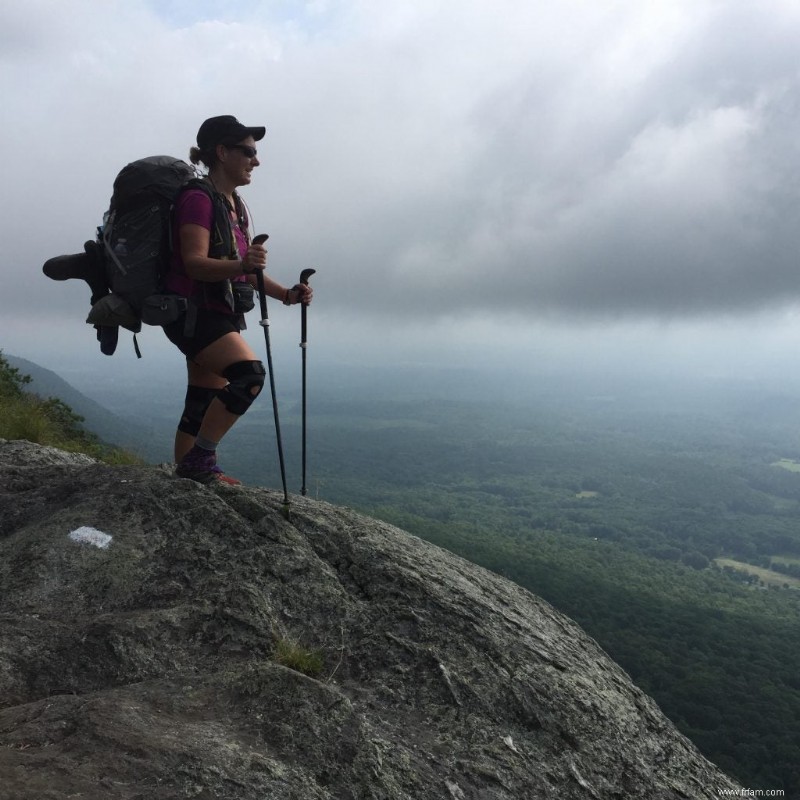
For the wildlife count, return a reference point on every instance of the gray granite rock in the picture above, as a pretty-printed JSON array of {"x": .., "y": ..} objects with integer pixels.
[{"x": 146, "y": 669}]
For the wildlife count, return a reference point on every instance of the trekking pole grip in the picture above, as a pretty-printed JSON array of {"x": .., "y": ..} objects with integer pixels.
[
  {"x": 304, "y": 276},
  {"x": 262, "y": 295}
]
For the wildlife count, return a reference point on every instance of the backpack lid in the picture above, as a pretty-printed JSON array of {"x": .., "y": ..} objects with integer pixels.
[{"x": 163, "y": 175}]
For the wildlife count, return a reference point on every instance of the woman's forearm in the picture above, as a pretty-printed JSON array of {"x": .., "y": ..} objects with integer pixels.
[{"x": 203, "y": 268}]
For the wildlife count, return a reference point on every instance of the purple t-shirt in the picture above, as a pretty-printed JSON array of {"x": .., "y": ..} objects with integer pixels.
[{"x": 194, "y": 207}]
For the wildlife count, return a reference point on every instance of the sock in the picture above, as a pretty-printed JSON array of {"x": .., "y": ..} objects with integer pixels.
[{"x": 205, "y": 444}]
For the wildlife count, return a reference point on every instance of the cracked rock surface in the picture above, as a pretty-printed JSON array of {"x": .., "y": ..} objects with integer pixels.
[{"x": 146, "y": 669}]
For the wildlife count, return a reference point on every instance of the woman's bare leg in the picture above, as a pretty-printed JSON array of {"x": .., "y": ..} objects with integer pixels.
[
  {"x": 207, "y": 370},
  {"x": 201, "y": 377}
]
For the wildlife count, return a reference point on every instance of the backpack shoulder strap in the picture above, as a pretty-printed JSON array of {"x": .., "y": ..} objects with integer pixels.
[
  {"x": 223, "y": 244},
  {"x": 242, "y": 216}
]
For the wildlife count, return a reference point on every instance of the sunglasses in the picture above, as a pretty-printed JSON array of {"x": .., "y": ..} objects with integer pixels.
[{"x": 249, "y": 152}]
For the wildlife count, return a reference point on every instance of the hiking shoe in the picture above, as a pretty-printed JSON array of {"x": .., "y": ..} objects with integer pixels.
[
  {"x": 62, "y": 268},
  {"x": 223, "y": 478},
  {"x": 86, "y": 266},
  {"x": 201, "y": 465}
]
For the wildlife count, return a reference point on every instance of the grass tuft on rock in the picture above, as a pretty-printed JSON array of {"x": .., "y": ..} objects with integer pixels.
[{"x": 290, "y": 654}]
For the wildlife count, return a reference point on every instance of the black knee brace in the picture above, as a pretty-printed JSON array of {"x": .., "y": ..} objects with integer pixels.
[
  {"x": 198, "y": 399},
  {"x": 246, "y": 379}
]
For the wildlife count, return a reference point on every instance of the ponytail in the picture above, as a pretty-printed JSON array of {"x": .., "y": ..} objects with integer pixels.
[{"x": 198, "y": 156}]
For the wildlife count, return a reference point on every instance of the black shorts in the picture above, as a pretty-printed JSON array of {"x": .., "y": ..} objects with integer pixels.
[{"x": 211, "y": 325}]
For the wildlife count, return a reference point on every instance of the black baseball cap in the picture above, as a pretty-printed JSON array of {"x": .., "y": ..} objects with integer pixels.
[{"x": 225, "y": 130}]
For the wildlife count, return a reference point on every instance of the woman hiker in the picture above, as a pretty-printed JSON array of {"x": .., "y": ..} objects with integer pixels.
[{"x": 214, "y": 265}]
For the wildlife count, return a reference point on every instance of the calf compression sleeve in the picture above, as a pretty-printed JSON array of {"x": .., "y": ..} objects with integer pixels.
[{"x": 198, "y": 399}]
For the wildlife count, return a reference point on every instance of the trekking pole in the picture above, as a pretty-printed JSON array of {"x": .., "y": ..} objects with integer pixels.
[
  {"x": 304, "y": 276},
  {"x": 262, "y": 295}
]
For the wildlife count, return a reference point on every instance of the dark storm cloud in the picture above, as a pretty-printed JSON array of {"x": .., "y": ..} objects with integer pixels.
[{"x": 454, "y": 159}]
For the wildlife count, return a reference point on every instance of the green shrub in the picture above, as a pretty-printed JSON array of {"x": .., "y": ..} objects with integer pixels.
[
  {"x": 21, "y": 419},
  {"x": 24, "y": 415},
  {"x": 11, "y": 379}
]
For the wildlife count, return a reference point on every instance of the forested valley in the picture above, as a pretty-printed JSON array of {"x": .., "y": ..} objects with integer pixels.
[{"x": 668, "y": 527}]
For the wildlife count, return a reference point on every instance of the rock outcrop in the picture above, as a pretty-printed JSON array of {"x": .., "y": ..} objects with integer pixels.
[{"x": 170, "y": 660}]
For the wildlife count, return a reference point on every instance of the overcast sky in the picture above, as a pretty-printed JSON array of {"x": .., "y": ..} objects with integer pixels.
[{"x": 458, "y": 171}]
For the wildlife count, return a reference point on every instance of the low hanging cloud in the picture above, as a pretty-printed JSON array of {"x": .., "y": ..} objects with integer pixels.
[{"x": 435, "y": 159}]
